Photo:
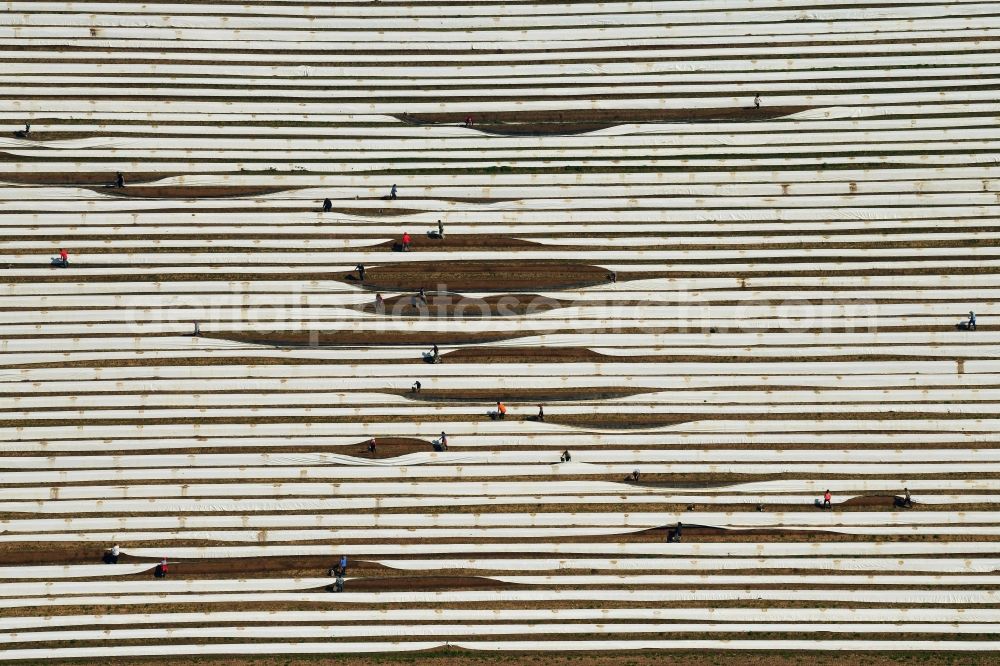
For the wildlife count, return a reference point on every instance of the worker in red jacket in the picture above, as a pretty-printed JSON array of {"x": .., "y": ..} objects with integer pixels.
[
  {"x": 827, "y": 499},
  {"x": 406, "y": 241},
  {"x": 63, "y": 260}
]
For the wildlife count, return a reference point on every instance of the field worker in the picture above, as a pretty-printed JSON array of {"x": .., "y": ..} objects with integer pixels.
[
  {"x": 827, "y": 499},
  {"x": 565, "y": 457},
  {"x": 501, "y": 411},
  {"x": 406, "y": 241},
  {"x": 972, "y": 321},
  {"x": 371, "y": 446},
  {"x": 327, "y": 205},
  {"x": 416, "y": 387},
  {"x": 379, "y": 303},
  {"x": 392, "y": 191},
  {"x": 675, "y": 534},
  {"x": 360, "y": 268},
  {"x": 119, "y": 179},
  {"x": 441, "y": 444},
  {"x": 63, "y": 260},
  {"x": 161, "y": 569},
  {"x": 756, "y": 101},
  {"x": 541, "y": 413},
  {"x": 343, "y": 565},
  {"x": 440, "y": 229}
]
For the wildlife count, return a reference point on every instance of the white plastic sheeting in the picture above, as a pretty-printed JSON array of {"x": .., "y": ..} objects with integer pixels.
[
  {"x": 71, "y": 571},
  {"x": 251, "y": 440},
  {"x": 406, "y": 631},
  {"x": 901, "y": 471},
  {"x": 935, "y": 596},
  {"x": 161, "y": 586},
  {"x": 740, "y": 615},
  {"x": 942, "y": 565},
  {"x": 747, "y": 549},
  {"x": 497, "y": 457},
  {"x": 507, "y": 518},
  {"x": 261, "y": 648},
  {"x": 214, "y": 503},
  {"x": 821, "y": 182}
]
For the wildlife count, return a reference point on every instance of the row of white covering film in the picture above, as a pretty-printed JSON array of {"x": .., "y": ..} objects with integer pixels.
[{"x": 519, "y": 327}]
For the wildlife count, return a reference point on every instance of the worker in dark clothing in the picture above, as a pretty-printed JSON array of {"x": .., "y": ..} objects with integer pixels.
[
  {"x": 541, "y": 413},
  {"x": 972, "y": 321},
  {"x": 565, "y": 457},
  {"x": 416, "y": 387},
  {"x": 161, "y": 569},
  {"x": 119, "y": 179},
  {"x": 360, "y": 268},
  {"x": 675, "y": 534},
  {"x": 327, "y": 205},
  {"x": 392, "y": 191},
  {"x": 371, "y": 446},
  {"x": 379, "y": 303},
  {"x": 756, "y": 101}
]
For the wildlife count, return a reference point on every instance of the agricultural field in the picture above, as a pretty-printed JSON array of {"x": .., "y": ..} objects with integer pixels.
[{"x": 580, "y": 333}]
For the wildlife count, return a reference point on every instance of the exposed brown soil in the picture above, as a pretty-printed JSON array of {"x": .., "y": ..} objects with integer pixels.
[
  {"x": 433, "y": 583},
  {"x": 423, "y": 243},
  {"x": 870, "y": 501},
  {"x": 376, "y": 212},
  {"x": 386, "y": 447},
  {"x": 59, "y": 276},
  {"x": 321, "y": 338},
  {"x": 187, "y": 191},
  {"x": 484, "y": 276},
  {"x": 656, "y": 420},
  {"x": 84, "y": 179},
  {"x": 524, "y": 355},
  {"x": 576, "y": 121},
  {"x": 447, "y": 304},
  {"x": 451, "y": 656},
  {"x": 541, "y": 395}
]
